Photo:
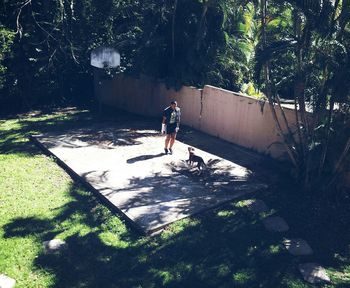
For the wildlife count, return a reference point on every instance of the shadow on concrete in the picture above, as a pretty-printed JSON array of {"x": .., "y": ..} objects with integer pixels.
[
  {"x": 144, "y": 157},
  {"x": 105, "y": 137},
  {"x": 155, "y": 199},
  {"x": 153, "y": 202},
  {"x": 85, "y": 125},
  {"x": 226, "y": 248}
]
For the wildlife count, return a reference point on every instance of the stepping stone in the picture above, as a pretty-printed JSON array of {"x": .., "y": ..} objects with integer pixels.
[
  {"x": 53, "y": 246},
  {"x": 256, "y": 206},
  {"x": 275, "y": 224},
  {"x": 314, "y": 273},
  {"x": 297, "y": 247},
  {"x": 7, "y": 282}
]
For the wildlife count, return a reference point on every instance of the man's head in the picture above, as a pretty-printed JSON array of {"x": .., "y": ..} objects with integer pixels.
[{"x": 173, "y": 104}]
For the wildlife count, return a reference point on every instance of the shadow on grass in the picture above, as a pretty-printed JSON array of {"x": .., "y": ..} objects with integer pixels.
[
  {"x": 228, "y": 248},
  {"x": 15, "y": 140},
  {"x": 80, "y": 125},
  {"x": 221, "y": 248},
  {"x": 23, "y": 227}
]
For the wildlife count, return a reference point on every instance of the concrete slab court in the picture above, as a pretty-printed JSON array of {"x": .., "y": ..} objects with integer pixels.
[{"x": 128, "y": 169}]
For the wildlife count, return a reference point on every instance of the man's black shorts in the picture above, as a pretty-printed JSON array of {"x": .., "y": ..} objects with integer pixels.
[{"x": 170, "y": 128}]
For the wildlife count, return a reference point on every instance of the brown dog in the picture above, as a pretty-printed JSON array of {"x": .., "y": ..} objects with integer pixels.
[{"x": 193, "y": 158}]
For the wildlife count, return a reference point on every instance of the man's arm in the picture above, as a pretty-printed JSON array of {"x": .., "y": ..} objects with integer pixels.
[
  {"x": 178, "y": 118},
  {"x": 163, "y": 129}
]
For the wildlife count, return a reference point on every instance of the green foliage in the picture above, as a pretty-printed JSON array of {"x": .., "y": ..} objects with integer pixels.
[
  {"x": 249, "y": 89},
  {"x": 7, "y": 36},
  {"x": 304, "y": 44},
  {"x": 201, "y": 39},
  {"x": 51, "y": 51},
  {"x": 304, "y": 56},
  {"x": 193, "y": 44}
]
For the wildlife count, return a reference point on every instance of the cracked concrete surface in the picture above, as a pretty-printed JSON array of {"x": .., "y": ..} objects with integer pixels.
[{"x": 127, "y": 167}]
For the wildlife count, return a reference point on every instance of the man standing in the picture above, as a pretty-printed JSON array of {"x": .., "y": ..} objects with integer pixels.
[{"x": 170, "y": 125}]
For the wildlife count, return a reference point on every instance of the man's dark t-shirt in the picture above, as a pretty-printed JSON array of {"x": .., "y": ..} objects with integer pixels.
[
  {"x": 172, "y": 116},
  {"x": 172, "y": 119}
]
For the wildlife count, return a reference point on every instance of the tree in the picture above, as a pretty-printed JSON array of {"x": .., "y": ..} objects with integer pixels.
[
  {"x": 318, "y": 45},
  {"x": 6, "y": 37}
]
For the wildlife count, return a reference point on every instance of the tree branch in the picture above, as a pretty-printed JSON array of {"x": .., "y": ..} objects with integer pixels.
[{"x": 18, "y": 25}]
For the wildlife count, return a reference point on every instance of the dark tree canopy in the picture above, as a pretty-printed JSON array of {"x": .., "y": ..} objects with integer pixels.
[{"x": 271, "y": 49}]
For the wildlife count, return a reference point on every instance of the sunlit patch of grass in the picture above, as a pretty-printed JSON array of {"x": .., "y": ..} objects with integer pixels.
[
  {"x": 175, "y": 274},
  {"x": 37, "y": 200},
  {"x": 244, "y": 276},
  {"x": 70, "y": 228},
  {"x": 271, "y": 251},
  {"x": 340, "y": 276},
  {"x": 111, "y": 239},
  {"x": 165, "y": 277},
  {"x": 274, "y": 249},
  {"x": 32, "y": 189},
  {"x": 243, "y": 203},
  {"x": 11, "y": 124},
  {"x": 178, "y": 227},
  {"x": 226, "y": 213},
  {"x": 269, "y": 213},
  {"x": 114, "y": 225}
]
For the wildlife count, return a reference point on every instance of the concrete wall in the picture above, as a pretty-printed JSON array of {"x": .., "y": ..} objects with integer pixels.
[
  {"x": 241, "y": 119},
  {"x": 145, "y": 96},
  {"x": 231, "y": 116}
]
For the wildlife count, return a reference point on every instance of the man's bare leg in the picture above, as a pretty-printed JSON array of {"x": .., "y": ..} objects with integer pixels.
[
  {"x": 172, "y": 141},
  {"x": 167, "y": 140}
]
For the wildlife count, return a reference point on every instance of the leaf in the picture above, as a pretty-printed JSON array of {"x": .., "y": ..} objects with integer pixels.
[{"x": 314, "y": 145}]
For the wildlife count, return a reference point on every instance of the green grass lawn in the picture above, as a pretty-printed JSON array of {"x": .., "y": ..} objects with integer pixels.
[{"x": 227, "y": 247}]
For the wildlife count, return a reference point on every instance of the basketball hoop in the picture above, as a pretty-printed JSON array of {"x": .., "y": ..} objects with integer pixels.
[{"x": 105, "y": 57}]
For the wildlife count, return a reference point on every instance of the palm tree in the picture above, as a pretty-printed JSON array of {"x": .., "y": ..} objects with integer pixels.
[{"x": 319, "y": 43}]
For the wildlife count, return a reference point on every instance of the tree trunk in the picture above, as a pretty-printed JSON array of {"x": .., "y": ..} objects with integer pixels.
[
  {"x": 268, "y": 88},
  {"x": 173, "y": 31},
  {"x": 201, "y": 24}
]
